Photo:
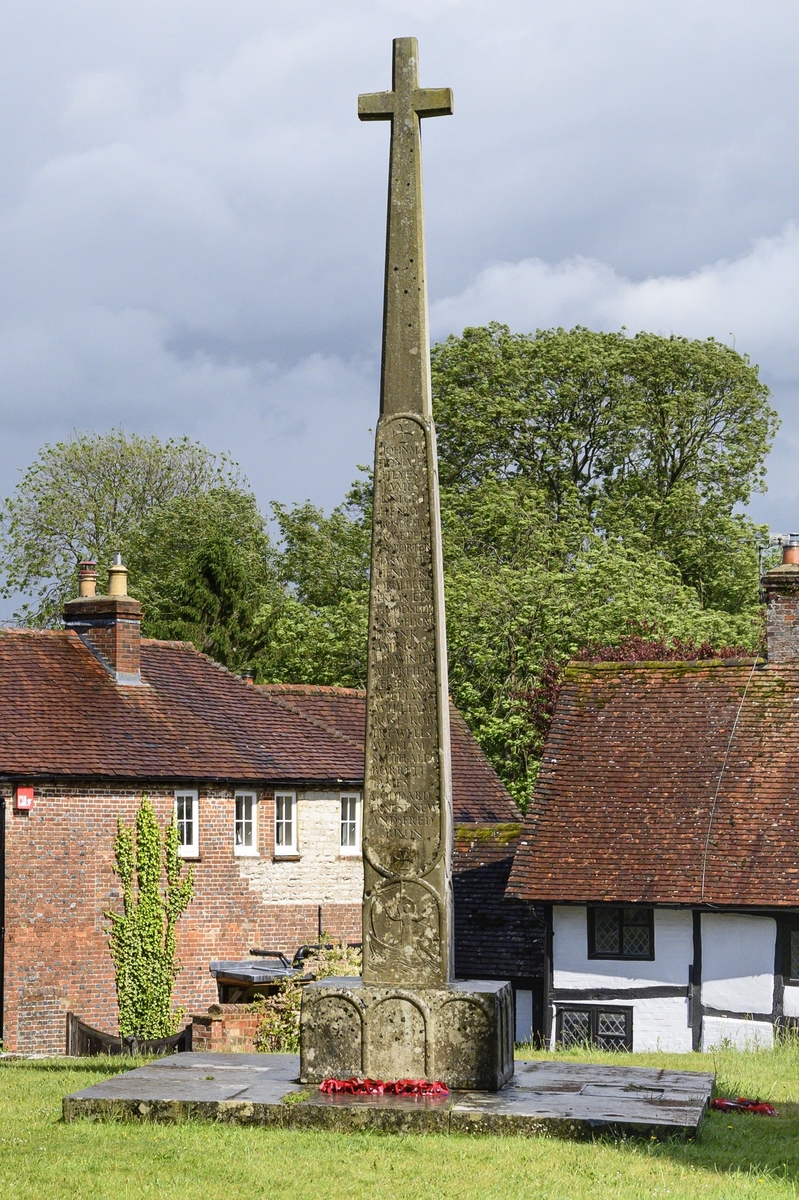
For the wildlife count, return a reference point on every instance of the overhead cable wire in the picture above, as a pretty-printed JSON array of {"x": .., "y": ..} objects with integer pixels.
[{"x": 721, "y": 776}]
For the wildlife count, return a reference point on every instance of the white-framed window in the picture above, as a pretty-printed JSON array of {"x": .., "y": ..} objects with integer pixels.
[
  {"x": 285, "y": 823},
  {"x": 187, "y": 819},
  {"x": 245, "y": 824},
  {"x": 350, "y": 824}
]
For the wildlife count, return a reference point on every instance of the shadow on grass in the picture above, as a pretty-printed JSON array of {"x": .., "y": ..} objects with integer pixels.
[
  {"x": 739, "y": 1143},
  {"x": 100, "y": 1064},
  {"x": 727, "y": 1143}
]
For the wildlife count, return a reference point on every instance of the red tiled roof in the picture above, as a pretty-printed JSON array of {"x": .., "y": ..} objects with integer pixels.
[
  {"x": 61, "y": 714},
  {"x": 635, "y": 803},
  {"x": 478, "y": 794}
]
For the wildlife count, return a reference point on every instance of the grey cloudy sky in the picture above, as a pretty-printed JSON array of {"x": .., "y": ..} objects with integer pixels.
[{"x": 192, "y": 217}]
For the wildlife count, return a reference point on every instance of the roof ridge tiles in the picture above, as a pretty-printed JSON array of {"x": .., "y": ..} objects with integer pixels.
[{"x": 664, "y": 664}]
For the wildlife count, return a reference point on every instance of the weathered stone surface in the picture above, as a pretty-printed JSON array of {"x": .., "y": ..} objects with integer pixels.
[
  {"x": 407, "y": 824},
  {"x": 406, "y": 1018},
  {"x": 461, "y": 1033},
  {"x": 562, "y": 1099},
  {"x": 407, "y": 820}
]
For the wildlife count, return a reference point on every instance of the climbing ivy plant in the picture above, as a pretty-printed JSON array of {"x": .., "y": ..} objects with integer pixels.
[{"x": 143, "y": 942}]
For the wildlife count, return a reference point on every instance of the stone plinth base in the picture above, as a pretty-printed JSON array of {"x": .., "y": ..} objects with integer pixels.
[
  {"x": 461, "y": 1033},
  {"x": 562, "y": 1099}
]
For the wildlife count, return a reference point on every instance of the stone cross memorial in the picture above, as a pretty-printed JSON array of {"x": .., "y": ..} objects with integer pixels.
[{"x": 407, "y": 1017}]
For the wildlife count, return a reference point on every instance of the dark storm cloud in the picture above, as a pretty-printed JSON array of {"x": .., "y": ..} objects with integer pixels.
[{"x": 191, "y": 217}]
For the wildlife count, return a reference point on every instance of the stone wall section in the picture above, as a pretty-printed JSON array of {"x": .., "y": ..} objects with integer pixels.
[
  {"x": 60, "y": 882},
  {"x": 319, "y": 873}
]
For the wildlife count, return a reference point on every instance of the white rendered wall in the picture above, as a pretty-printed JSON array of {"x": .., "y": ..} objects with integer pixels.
[
  {"x": 321, "y": 875},
  {"x": 738, "y": 962},
  {"x": 790, "y": 1001},
  {"x": 661, "y": 1023},
  {"x": 572, "y": 968},
  {"x": 734, "y": 1031},
  {"x": 524, "y": 1015}
]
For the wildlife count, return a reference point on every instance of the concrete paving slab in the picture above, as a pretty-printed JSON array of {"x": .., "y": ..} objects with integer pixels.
[{"x": 562, "y": 1098}]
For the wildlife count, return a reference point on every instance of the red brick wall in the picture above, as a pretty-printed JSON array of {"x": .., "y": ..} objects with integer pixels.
[
  {"x": 112, "y": 625},
  {"x": 60, "y": 881},
  {"x": 119, "y": 644}
]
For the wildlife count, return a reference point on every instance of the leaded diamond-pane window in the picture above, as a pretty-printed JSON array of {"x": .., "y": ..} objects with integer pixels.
[
  {"x": 611, "y": 1030},
  {"x": 621, "y": 933},
  {"x": 607, "y": 1028},
  {"x": 606, "y": 931},
  {"x": 575, "y": 1027}
]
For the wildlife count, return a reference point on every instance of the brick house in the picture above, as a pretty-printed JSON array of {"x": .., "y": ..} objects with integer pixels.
[
  {"x": 265, "y": 783},
  {"x": 663, "y": 843}
]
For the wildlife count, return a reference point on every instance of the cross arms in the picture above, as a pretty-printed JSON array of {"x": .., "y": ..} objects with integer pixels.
[{"x": 425, "y": 102}]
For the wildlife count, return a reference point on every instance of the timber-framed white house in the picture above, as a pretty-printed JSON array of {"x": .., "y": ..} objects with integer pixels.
[{"x": 663, "y": 843}]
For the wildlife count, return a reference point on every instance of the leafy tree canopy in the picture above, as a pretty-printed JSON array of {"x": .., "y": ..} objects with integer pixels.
[
  {"x": 318, "y": 630},
  {"x": 83, "y": 497},
  {"x": 204, "y": 569},
  {"x": 589, "y": 480}
]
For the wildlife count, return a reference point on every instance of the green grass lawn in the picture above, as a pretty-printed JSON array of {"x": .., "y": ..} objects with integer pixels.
[{"x": 735, "y": 1156}]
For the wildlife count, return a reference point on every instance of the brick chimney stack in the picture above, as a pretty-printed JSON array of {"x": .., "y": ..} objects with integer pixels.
[
  {"x": 781, "y": 590},
  {"x": 109, "y": 625}
]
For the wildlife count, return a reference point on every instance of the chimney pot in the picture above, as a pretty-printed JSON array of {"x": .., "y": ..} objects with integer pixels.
[
  {"x": 110, "y": 626},
  {"x": 87, "y": 578},
  {"x": 790, "y": 549},
  {"x": 117, "y": 577}
]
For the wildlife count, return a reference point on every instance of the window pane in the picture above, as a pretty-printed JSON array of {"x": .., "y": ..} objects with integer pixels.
[
  {"x": 637, "y": 941},
  {"x": 284, "y": 821},
  {"x": 611, "y": 1030},
  {"x": 636, "y": 916},
  {"x": 349, "y": 822},
  {"x": 245, "y": 822},
  {"x": 795, "y": 954},
  {"x": 575, "y": 1027},
  {"x": 606, "y": 931},
  {"x": 185, "y": 820}
]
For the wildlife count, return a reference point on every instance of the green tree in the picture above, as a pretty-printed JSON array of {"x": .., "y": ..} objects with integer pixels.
[
  {"x": 589, "y": 486},
  {"x": 143, "y": 941},
  {"x": 205, "y": 572},
  {"x": 318, "y": 628},
  {"x": 82, "y": 498}
]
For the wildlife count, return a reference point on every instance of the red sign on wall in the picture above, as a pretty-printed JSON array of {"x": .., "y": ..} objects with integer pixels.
[{"x": 23, "y": 799}]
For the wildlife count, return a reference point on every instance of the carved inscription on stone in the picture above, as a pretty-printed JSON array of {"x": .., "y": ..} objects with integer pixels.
[{"x": 403, "y": 801}]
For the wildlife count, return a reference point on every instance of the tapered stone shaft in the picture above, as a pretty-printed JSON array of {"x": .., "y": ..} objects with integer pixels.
[
  {"x": 407, "y": 818},
  {"x": 407, "y": 1018}
]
